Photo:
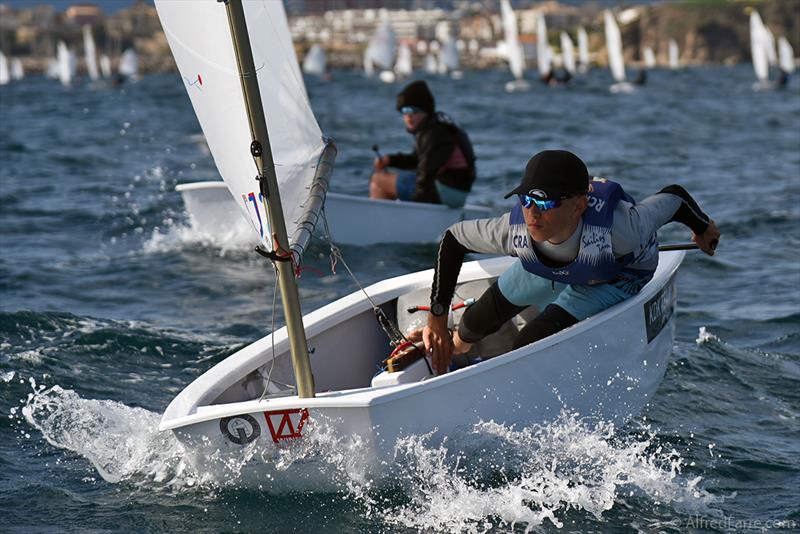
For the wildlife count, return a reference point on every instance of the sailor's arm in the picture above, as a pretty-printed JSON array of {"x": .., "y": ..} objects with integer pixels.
[
  {"x": 634, "y": 225},
  {"x": 488, "y": 236},
  {"x": 400, "y": 160}
]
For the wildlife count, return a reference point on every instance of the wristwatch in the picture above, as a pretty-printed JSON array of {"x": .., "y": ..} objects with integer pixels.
[{"x": 438, "y": 309}]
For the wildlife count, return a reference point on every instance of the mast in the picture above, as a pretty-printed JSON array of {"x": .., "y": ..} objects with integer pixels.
[{"x": 268, "y": 182}]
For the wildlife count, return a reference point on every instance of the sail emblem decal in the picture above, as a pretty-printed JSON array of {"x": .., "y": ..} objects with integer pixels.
[
  {"x": 252, "y": 198},
  {"x": 286, "y": 424}
]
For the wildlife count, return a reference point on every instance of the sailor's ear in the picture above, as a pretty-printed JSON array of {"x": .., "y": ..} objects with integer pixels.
[{"x": 581, "y": 204}]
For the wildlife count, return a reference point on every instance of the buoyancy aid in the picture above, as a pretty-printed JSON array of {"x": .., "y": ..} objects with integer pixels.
[{"x": 595, "y": 262}]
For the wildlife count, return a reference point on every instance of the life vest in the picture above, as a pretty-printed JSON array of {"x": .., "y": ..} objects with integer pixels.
[
  {"x": 463, "y": 155},
  {"x": 595, "y": 263}
]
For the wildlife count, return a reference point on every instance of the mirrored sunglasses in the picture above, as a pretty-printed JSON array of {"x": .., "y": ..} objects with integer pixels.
[
  {"x": 409, "y": 110},
  {"x": 528, "y": 201}
]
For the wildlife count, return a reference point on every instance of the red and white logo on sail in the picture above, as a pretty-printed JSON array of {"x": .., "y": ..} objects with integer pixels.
[{"x": 286, "y": 424}]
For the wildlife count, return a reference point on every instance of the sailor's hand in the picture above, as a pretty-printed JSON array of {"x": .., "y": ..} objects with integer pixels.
[
  {"x": 438, "y": 343},
  {"x": 708, "y": 240},
  {"x": 415, "y": 335},
  {"x": 381, "y": 163}
]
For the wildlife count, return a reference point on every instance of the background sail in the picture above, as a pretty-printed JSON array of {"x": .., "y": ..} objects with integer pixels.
[
  {"x": 543, "y": 52},
  {"x": 90, "y": 53},
  {"x": 758, "y": 47},
  {"x": 516, "y": 59},
  {"x": 614, "y": 46},
  {"x": 583, "y": 47},
  {"x": 567, "y": 53},
  {"x": 200, "y": 39}
]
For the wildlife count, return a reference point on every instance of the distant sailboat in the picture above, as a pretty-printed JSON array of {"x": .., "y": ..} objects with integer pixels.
[
  {"x": 17, "y": 70},
  {"x": 90, "y": 53},
  {"x": 129, "y": 64},
  {"x": 649, "y": 57},
  {"x": 544, "y": 56},
  {"x": 674, "y": 55},
  {"x": 568, "y": 53},
  {"x": 583, "y": 50},
  {"x": 5, "y": 75},
  {"x": 381, "y": 52},
  {"x": 615, "y": 60},
  {"x": 431, "y": 65},
  {"x": 516, "y": 57},
  {"x": 105, "y": 66},
  {"x": 314, "y": 62},
  {"x": 449, "y": 59},
  {"x": 66, "y": 64},
  {"x": 758, "y": 51},
  {"x": 51, "y": 70},
  {"x": 403, "y": 66},
  {"x": 786, "y": 55}
]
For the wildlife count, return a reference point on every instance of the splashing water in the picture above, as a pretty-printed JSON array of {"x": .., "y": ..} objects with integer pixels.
[
  {"x": 526, "y": 476},
  {"x": 122, "y": 443},
  {"x": 493, "y": 475}
]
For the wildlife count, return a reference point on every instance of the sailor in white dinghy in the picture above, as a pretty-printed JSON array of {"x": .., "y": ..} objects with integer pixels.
[
  {"x": 441, "y": 169},
  {"x": 583, "y": 245}
]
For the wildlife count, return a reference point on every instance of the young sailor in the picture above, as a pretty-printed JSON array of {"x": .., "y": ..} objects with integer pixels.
[
  {"x": 583, "y": 245},
  {"x": 442, "y": 167}
]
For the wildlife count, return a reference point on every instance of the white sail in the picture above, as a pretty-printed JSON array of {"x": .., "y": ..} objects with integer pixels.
[
  {"x": 314, "y": 62},
  {"x": 90, "y": 53},
  {"x": 203, "y": 50},
  {"x": 52, "y": 68},
  {"x": 516, "y": 58},
  {"x": 674, "y": 54},
  {"x": 403, "y": 66},
  {"x": 614, "y": 46},
  {"x": 369, "y": 68},
  {"x": 66, "y": 64},
  {"x": 543, "y": 54},
  {"x": 449, "y": 55},
  {"x": 105, "y": 66},
  {"x": 649, "y": 57},
  {"x": 583, "y": 47},
  {"x": 772, "y": 56},
  {"x": 568, "y": 53},
  {"x": 786, "y": 55},
  {"x": 5, "y": 76},
  {"x": 758, "y": 48},
  {"x": 129, "y": 63},
  {"x": 17, "y": 70},
  {"x": 430, "y": 64},
  {"x": 383, "y": 46}
]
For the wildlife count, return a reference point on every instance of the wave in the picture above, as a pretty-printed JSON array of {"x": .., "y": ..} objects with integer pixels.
[{"x": 492, "y": 476}]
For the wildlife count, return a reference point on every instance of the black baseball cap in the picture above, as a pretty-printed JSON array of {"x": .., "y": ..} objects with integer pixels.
[{"x": 553, "y": 175}]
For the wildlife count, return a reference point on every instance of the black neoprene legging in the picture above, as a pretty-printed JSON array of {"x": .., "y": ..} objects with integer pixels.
[{"x": 492, "y": 310}]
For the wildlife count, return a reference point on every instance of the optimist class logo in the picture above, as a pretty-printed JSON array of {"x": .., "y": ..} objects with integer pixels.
[{"x": 286, "y": 424}]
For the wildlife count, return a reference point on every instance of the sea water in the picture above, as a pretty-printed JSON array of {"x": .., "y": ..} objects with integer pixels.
[{"x": 110, "y": 305}]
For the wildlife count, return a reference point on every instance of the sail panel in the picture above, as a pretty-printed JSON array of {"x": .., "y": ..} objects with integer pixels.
[
  {"x": 90, "y": 53},
  {"x": 786, "y": 55},
  {"x": 758, "y": 47},
  {"x": 568, "y": 53},
  {"x": 516, "y": 59},
  {"x": 614, "y": 46},
  {"x": 583, "y": 47},
  {"x": 543, "y": 52},
  {"x": 200, "y": 39}
]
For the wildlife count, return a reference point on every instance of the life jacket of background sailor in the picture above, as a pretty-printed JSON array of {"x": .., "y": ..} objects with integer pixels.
[{"x": 595, "y": 263}]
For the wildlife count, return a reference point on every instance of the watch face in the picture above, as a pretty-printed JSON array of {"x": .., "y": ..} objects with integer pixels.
[{"x": 438, "y": 309}]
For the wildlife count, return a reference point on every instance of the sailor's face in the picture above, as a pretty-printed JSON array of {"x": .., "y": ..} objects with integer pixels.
[
  {"x": 413, "y": 120},
  {"x": 557, "y": 224}
]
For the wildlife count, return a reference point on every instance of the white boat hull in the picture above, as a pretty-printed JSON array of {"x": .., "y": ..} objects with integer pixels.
[
  {"x": 608, "y": 366},
  {"x": 352, "y": 220}
]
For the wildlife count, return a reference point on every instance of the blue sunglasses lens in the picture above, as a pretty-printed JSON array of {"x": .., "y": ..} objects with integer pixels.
[
  {"x": 528, "y": 201},
  {"x": 408, "y": 110}
]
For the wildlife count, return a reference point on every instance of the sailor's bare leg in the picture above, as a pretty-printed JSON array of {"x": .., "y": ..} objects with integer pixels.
[{"x": 383, "y": 185}]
